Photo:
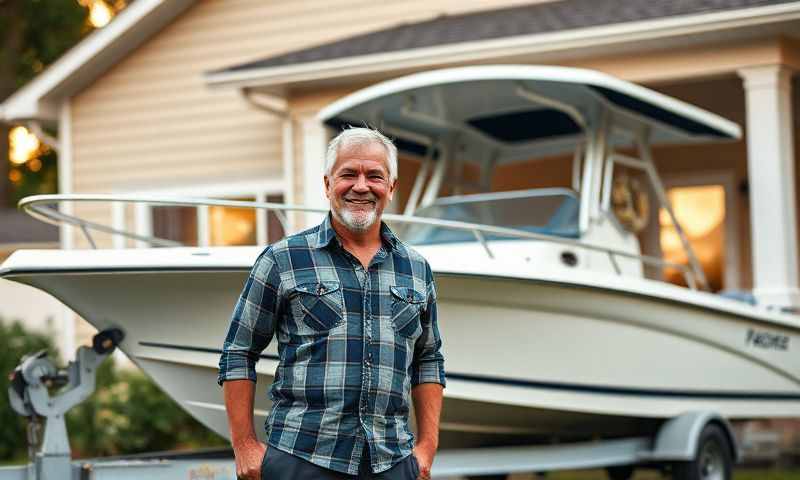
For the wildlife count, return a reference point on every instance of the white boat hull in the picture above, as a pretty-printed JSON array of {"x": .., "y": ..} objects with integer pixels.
[{"x": 526, "y": 358}]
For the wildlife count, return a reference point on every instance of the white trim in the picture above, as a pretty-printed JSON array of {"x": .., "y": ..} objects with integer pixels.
[
  {"x": 288, "y": 167},
  {"x": 66, "y": 232},
  {"x": 262, "y": 226},
  {"x": 771, "y": 169},
  {"x": 143, "y": 223},
  {"x": 726, "y": 178},
  {"x": 203, "y": 226},
  {"x": 573, "y": 39},
  {"x": 578, "y": 76},
  {"x": 103, "y": 46},
  {"x": 118, "y": 222},
  {"x": 314, "y": 140},
  {"x": 207, "y": 190}
]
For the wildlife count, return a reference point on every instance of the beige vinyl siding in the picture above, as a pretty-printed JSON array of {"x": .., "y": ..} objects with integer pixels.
[
  {"x": 97, "y": 213},
  {"x": 151, "y": 122}
]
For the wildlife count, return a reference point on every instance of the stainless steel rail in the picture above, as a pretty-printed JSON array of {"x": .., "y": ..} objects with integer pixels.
[{"x": 45, "y": 208}]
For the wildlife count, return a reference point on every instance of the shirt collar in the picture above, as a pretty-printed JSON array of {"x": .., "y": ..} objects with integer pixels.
[{"x": 326, "y": 234}]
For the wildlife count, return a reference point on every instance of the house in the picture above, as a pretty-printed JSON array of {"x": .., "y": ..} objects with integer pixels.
[{"x": 219, "y": 99}]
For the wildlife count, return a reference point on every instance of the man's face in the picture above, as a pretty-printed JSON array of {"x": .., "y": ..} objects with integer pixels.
[{"x": 358, "y": 187}]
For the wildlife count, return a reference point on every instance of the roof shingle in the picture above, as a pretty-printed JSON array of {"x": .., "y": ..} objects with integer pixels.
[{"x": 507, "y": 22}]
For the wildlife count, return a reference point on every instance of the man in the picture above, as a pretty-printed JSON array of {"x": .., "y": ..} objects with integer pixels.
[{"x": 354, "y": 312}]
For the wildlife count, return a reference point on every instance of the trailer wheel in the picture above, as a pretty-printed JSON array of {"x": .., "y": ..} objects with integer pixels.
[
  {"x": 620, "y": 472},
  {"x": 712, "y": 460}
]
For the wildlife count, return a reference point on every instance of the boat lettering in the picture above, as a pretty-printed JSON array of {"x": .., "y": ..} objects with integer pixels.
[{"x": 767, "y": 340}]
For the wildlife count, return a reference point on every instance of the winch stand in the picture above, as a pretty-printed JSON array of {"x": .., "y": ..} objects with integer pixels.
[{"x": 30, "y": 398}]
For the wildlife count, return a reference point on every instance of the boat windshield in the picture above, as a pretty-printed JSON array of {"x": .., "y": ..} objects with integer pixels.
[{"x": 549, "y": 211}]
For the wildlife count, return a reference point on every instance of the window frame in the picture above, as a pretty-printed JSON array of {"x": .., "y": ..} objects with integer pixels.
[{"x": 143, "y": 213}]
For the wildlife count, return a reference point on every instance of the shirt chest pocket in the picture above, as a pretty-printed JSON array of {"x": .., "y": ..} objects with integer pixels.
[
  {"x": 407, "y": 305},
  {"x": 317, "y": 306}
]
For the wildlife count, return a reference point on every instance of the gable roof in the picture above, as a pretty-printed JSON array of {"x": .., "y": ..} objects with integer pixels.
[
  {"x": 529, "y": 25},
  {"x": 40, "y": 98},
  {"x": 539, "y": 23}
]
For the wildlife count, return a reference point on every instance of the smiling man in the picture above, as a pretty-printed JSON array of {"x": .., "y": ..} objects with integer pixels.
[{"x": 354, "y": 313}]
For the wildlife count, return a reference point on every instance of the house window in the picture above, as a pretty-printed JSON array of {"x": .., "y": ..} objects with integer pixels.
[
  {"x": 239, "y": 226},
  {"x": 226, "y": 226},
  {"x": 700, "y": 210},
  {"x": 232, "y": 226},
  {"x": 175, "y": 223},
  {"x": 275, "y": 229}
]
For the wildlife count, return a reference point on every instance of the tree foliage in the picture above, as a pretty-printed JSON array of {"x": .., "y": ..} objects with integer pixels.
[
  {"x": 49, "y": 28},
  {"x": 34, "y": 34}
]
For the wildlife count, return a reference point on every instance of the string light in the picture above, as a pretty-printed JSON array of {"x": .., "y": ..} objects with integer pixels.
[
  {"x": 35, "y": 165},
  {"x": 14, "y": 175},
  {"x": 23, "y": 145},
  {"x": 100, "y": 14}
]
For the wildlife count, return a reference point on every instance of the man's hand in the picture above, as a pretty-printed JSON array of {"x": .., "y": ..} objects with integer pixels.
[
  {"x": 248, "y": 460},
  {"x": 424, "y": 454},
  {"x": 427, "y": 407},
  {"x": 248, "y": 450}
]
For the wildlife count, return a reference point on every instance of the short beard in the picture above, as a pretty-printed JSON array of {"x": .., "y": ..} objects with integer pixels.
[{"x": 355, "y": 223}]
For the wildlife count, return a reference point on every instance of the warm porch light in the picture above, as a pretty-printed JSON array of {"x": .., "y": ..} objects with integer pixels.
[
  {"x": 701, "y": 213},
  {"x": 24, "y": 145},
  {"x": 100, "y": 14}
]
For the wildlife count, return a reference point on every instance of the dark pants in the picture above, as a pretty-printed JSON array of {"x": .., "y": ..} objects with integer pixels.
[{"x": 279, "y": 465}]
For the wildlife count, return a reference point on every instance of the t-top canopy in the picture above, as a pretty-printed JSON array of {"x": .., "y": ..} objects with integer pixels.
[{"x": 512, "y": 109}]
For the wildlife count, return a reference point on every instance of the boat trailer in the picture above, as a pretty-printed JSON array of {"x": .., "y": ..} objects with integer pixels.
[{"x": 692, "y": 446}]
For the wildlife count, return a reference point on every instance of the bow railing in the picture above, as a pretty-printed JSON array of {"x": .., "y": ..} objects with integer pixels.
[{"x": 45, "y": 208}]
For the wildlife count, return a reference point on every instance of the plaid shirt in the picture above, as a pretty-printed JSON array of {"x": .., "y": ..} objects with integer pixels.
[{"x": 351, "y": 341}]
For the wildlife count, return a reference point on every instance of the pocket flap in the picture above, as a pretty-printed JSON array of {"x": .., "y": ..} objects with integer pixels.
[
  {"x": 318, "y": 288},
  {"x": 407, "y": 294}
]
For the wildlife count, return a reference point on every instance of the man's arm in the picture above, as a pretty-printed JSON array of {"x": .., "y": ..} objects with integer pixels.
[
  {"x": 251, "y": 329},
  {"x": 428, "y": 381},
  {"x": 427, "y": 407},
  {"x": 249, "y": 452}
]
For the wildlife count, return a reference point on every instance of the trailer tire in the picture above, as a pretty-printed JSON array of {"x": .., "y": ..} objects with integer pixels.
[
  {"x": 620, "y": 472},
  {"x": 712, "y": 459}
]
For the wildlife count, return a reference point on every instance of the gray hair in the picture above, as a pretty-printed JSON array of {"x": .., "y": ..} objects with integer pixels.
[{"x": 361, "y": 136}]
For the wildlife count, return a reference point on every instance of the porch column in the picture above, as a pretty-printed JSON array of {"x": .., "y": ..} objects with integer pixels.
[
  {"x": 770, "y": 163},
  {"x": 314, "y": 139}
]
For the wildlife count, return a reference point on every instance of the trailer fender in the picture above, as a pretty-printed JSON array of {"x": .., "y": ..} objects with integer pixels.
[{"x": 677, "y": 438}]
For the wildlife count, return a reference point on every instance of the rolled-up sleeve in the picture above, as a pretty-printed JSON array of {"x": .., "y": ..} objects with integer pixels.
[
  {"x": 428, "y": 364},
  {"x": 253, "y": 320}
]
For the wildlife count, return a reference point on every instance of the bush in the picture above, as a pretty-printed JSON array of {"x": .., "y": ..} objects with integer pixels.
[
  {"x": 126, "y": 414},
  {"x": 130, "y": 414},
  {"x": 16, "y": 342}
]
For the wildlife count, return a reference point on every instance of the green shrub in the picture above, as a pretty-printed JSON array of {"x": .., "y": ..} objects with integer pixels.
[
  {"x": 130, "y": 414},
  {"x": 15, "y": 342}
]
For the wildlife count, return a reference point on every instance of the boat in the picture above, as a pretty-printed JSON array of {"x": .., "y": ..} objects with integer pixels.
[{"x": 555, "y": 326}]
